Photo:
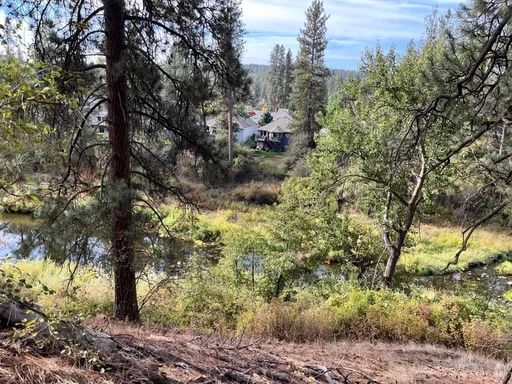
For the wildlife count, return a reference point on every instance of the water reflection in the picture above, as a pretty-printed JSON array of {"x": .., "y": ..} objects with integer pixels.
[
  {"x": 18, "y": 237},
  {"x": 21, "y": 238},
  {"x": 483, "y": 280}
]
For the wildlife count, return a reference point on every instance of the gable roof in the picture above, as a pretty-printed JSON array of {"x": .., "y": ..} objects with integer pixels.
[
  {"x": 278, "y": 126},
  {"x": 243, "y": 122},
  {"x": 281, "y": 112}
]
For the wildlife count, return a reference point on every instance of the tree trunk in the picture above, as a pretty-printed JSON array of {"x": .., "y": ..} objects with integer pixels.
[
  {"x": 126, "y": 307},
  {"x": 230, "y": 128},
  {"x": 395, "y": 249},
  {"x": 389, "y": 272}
]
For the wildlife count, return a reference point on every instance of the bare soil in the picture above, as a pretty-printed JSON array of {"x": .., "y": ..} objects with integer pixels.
[{"x": 163, "y": 356}]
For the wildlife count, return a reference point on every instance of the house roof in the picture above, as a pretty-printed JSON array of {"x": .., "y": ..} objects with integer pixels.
[
  {"x": 243, "y": 122},
  {"x": 281, "y": 112},
  {"x": 278, "y": 126}
]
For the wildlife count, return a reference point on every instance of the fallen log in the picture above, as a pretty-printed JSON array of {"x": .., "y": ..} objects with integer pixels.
[
  {"x": 508, "y": 375},
  {"x": 13, "y": 313}
]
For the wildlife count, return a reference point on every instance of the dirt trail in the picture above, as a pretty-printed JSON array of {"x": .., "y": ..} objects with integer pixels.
[{"x": 163, "y": 356}]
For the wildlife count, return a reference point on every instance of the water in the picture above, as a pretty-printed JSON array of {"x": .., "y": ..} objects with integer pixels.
[
  {"x": 19, "y": 239},
  {"x": 483, "y": 280}
]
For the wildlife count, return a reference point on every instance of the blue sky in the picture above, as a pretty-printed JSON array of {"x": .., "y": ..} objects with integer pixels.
[{"x": 353, "y": 25}]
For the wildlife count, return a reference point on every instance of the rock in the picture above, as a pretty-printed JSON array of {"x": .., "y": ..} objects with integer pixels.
[{"x": 457, "y": 277}]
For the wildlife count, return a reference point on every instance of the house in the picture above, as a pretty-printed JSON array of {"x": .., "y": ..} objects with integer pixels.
[
  {"x": 97, "y": 119},
  {"x": 275, "y": 136},
  {"x": 280, "y": 113},
  {"x": 243, "y": 127}
]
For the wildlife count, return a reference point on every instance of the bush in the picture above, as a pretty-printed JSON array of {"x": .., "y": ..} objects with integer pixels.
[
  {"x": 257, "y": 193},
  {"x": 271, "y": 169},
  {"x": 504, "y": 268},
  {"x": 244, "y": 168},
  {"x": 385, "y": 315}
]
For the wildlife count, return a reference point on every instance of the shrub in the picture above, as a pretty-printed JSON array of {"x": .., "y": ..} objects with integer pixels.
[
  {"x": 271, "y": 169},
  {"x": 355, "y": 313},
  {"x": 257, "y": 193},
  {"x": 504, "y": 268},
  {"x": 298, "y": 321},
  {"x": 244, "y": 168}
]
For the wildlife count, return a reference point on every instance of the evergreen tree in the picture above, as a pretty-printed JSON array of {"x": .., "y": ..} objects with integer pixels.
[
  {"x": 275, "y": 77},
  {"x": 235, "y": 86},
  {"x": 309, "y": 90},
  {"x": 265, "y": 118},
  {"x": 288, "y": 79},
  {"x": 132, "y": 38}
]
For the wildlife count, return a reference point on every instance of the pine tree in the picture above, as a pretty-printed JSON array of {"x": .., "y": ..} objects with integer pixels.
[
  {"x": 265, "y": 118},
  {"x": 309, "y": 90},
  {"x": 288, "y": 79},
  {"x": 275, "y": 77},
  {"x": 132, "y": 38},
  {"x": 235, "y": 86}
]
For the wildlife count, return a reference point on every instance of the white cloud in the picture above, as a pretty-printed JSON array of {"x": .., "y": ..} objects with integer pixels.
[{"x": 352, "y": 25}]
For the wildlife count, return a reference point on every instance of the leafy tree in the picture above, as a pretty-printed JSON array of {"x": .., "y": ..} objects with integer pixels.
[
  {"x": 27, "y": 92},
  {"x": 312, "y": 227},
  {"x": 393, "y": 134},
  {"x": 309, "y": 90}
]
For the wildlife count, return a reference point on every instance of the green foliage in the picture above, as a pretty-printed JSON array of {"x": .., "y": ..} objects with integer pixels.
[
  {"x": 265, "y": 118},
  {"x": 350, "y": 312},
  {"x": 309, "y": 89},
  {"x": 434, "y": 246},
  {"x": 504, "y": 268},
  {"x": 312, "y": 225},
  {"x": 28, "y": 92},
  {"x": 24, "y": 85},
  {"x": 278, "y": 79}
]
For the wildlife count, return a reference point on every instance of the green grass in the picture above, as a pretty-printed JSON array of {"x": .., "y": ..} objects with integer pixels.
[
  {"x": 268, "y": 154},
  {"x": 433, "y": 247},
  {"x": 505, "y": 269}
]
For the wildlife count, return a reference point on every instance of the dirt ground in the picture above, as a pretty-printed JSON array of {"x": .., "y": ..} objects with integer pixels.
[{"x": 163, "y": 356}]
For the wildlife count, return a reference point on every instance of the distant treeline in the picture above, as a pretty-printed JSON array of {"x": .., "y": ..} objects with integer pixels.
[{"x": 258, "y": 74}]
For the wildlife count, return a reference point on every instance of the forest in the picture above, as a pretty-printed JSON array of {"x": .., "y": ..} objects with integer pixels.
[{"x": 173, "y": 214}]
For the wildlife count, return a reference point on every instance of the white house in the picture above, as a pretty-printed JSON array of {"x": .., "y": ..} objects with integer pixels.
[{"x": 244, "y": 128}]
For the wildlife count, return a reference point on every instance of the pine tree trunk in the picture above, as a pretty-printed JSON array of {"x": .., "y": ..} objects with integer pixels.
[
  {"x": 231, "y": 105},
  {"x": 126, "y": 307}
]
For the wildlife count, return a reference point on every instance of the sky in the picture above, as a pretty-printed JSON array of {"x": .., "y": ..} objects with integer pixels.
[{"x": 353, "y": 26}]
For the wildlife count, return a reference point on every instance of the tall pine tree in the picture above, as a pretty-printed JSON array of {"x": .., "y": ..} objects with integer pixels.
[
  {"x": 288, "y": 79},
  {"x": 236, "y": 81},
  {"x": 309, "y": 90},
  {"x": 275, "y": 78},
  {"x": 131, "y": 37}
]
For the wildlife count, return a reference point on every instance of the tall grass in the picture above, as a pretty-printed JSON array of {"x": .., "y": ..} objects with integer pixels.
[{"x": 433, "y": 247}]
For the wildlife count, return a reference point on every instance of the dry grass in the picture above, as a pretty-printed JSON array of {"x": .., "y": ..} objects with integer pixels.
[
  {"x": 25, "y": 368},
  {"x": 185, "y": 357}
]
